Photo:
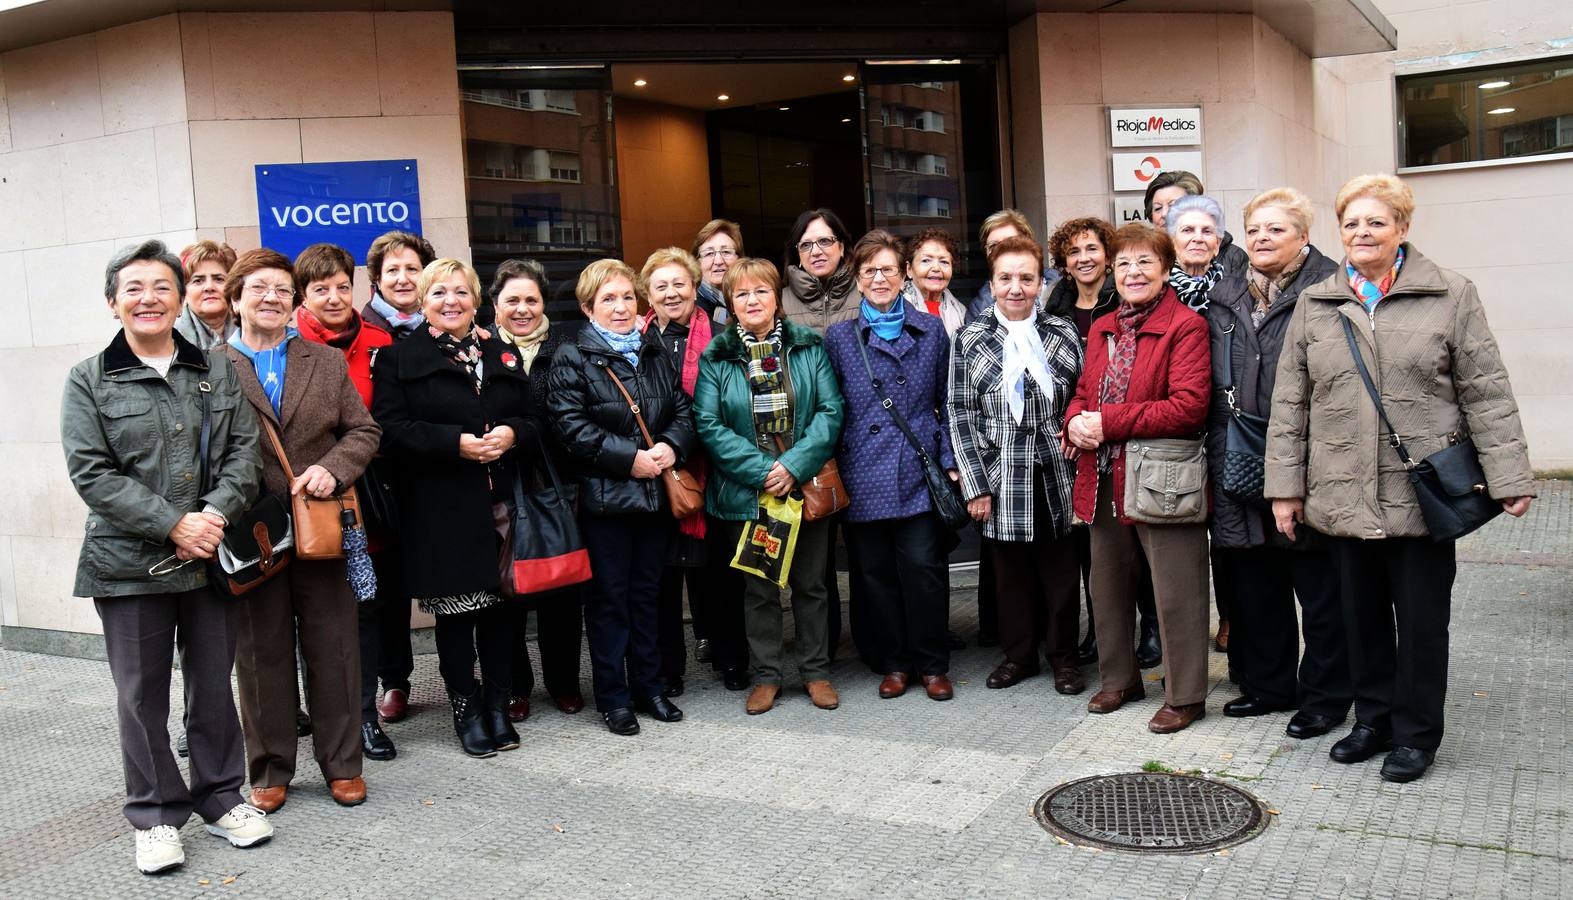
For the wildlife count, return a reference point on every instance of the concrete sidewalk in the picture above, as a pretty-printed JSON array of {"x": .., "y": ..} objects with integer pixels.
[{"x": 901, "y": 798}]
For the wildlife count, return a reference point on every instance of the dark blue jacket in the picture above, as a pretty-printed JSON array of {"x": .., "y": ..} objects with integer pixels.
[{"x": 880, "y": 469}]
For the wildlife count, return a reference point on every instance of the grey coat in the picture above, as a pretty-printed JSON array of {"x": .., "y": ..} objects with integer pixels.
[{"x": 130, "y": 440}]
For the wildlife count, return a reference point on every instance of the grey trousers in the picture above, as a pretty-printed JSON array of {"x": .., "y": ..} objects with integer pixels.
[
  {"x": 810, "y": 605},
  {"x": 141, "y": 633}
]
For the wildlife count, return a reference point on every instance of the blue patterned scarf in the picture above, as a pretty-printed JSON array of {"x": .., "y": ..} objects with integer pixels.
[
  {"x": 269, "y": 365},
  {"x": 624, "y": 345},
  {"x": 1368, "y": 292},
  {"x": 885, "y": 324}
]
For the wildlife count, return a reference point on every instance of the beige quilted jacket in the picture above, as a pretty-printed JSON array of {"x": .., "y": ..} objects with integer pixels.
[{"x": 1437, "y": 368}]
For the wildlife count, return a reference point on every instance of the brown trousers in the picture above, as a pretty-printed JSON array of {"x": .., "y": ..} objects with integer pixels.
[
  {"x": 1177, "y": 557},
  {"x": 313, "y": 598}
]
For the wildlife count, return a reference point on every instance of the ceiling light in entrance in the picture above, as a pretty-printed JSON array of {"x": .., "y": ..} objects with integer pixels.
[
  {"x": 783, "y": 108},
  {"x": 723, "y": 97},
  {"x": 849, "y": 77},
  {"x": 1500, "y": 111},
  {"x": 1493, "y": 85},
  {"x": 845, "y": 121},
  {"x": 640, "y": 82}
]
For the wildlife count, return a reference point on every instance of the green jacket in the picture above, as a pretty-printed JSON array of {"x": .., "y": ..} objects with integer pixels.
[
  {"x": 130, "y": 441},
  {"x": 723, "y": 412}
]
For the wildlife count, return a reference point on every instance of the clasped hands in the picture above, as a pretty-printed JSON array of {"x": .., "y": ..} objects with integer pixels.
[
  {"x": 196, "y": 535},
  {"x": 487, "y": 448},
  {"x": 1083, "y": 431},
  {"x": 651, "y": 463}
]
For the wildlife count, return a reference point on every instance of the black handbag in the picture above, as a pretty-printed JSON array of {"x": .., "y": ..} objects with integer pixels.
[
  {"x": 543, "y": 549},
  {"x": 1245, "y": 440},
  {"x": 379, "y": 509},
  {"x": 256, "y": 544},
  {"x": 1450, "y": 485},
  {"x": 944, "y": 493}
]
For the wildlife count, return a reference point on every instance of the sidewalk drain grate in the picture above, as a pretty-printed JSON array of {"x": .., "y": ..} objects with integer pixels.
[{"x": 1151, "y": 811}]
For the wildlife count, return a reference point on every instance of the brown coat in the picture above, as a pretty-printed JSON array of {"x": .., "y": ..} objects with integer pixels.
[
  {"x": 324, "y": 421},
  {"x": 1437, "y": 367}
]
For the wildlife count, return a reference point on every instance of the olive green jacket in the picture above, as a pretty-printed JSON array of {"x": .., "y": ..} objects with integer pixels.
[{"x": 131, "y": 440}]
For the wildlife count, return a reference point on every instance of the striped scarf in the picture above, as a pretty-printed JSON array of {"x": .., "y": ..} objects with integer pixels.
[
  {"x": 771, "y": 405},
  {"x": 1195, "y": 290},
  {"x": 1368, "y": 292}
]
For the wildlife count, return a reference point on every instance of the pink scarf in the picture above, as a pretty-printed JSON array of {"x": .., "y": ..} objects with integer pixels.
[{"x": 688, "y": 375}]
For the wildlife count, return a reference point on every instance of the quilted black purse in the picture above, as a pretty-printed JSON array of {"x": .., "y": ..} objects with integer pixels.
[
  {"x": 1450, "y": 485},
  {"x": 1245, "y": 440}
]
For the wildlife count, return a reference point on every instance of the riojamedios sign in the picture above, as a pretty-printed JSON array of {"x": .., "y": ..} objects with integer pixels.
[
  {"x": 1155, "y": 127},
  {"x": 344, "y": 203}
]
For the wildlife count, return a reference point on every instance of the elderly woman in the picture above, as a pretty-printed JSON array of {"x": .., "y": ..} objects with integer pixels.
[
  {"x": 1146, "y": 378},
  {"x": 325, "y": 314},
  {"x": 395, "y": 262},
  {"x": 130, "y": 422},
  {"x": 1011, "y": 377},
  {"x": 518, "y": 294},
  {"x": 769, "y": 412},
  {"x": 893, "y": 350},
  {"x": 1248, "y": 318},
  {"x": 998, "y": 227},
  {"x": 1167, "y": 187},
  {"x": 717, "y": 245},
  {"x": 699, "y": 556},
  {"x": 820, "y": 290},
  {"x": 1422, "y": 332},
  {"x": 931, "y": 262},
  {"x": 457, "y": 420},
  {"x": 302, "y": 393},
  {"x": 207, "y": 320},
  {"x": 623, "y": 508}
]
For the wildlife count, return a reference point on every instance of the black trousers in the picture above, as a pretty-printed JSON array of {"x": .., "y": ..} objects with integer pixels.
[
  {"x": 1264, "y": 640},
  {"x": 1035, "y": 589},
  {"x": 627, "y": 555},
  {"x": 559, "y": 636},
  {"x": 484, "y": 634},
  {"x": 903, "y": 584},
  {"x": 833, "y": 596},
  {"x": 1396, "y": 595}
]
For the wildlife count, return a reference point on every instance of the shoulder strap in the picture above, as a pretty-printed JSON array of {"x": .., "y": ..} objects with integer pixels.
[
  {"x": 885, "y": 401},
  {"x": 1376, "y": 398},
  {"x": 632, "y": 406},
  {"x": 204, "y": 437},
  {"x": 1228, "y": 368},
  {"x": 278, "y": 447}
]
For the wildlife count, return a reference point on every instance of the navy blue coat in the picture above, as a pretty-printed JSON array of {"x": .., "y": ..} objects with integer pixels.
[{"x": 880, "y": 469}]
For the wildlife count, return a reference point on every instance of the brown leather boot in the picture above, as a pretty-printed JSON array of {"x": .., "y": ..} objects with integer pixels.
[
  {"x": 762, "y": 698},
  {"x": 1176, "y": 718},
  {"x": 1109, "y": 701},
  {"x": 823, "y": 695}
]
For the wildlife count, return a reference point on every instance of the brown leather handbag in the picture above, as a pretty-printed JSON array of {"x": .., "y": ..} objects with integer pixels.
[
  {"x": 823, "y": 495},
  {"x": 683, "y": 493},
  {"x": 319, "y": 532}
]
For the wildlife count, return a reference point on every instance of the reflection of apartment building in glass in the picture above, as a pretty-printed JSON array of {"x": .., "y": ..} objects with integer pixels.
[{"x": 915, "y": 156}]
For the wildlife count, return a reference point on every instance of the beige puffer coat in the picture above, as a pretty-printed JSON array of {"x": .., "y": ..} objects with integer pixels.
[{"x": 1437, "y": 368}]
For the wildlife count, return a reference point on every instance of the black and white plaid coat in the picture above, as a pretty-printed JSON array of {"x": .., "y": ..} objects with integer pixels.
[{"x": 995, "y": 454}]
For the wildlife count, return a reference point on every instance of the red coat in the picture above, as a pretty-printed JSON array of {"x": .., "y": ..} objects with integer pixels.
[
  {"x": 1171, "y": 386},
  {"x": 358, "y": 354}
]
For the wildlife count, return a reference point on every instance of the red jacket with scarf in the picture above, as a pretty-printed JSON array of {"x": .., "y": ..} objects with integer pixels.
[
  {"x": 1171, "y": 386},
  {"x": 358, "y": 354}
]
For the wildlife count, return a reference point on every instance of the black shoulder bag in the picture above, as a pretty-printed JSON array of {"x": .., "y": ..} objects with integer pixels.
[
  {"x": 256, "y": 545},
  {"x": 1245, "y": 439},
  {"x": 1449, "y": 484},
  {"x": 944, "y": 493}
]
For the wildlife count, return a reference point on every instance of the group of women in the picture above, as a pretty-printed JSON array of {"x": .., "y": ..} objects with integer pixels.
[{"x": 1067, "y": 412}]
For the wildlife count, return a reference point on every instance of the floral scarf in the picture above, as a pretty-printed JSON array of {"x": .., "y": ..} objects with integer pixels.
[
  {"x": 1369, "y": 293},
  {"x": 1128, "y": 320},
  {"x": 1265, "y": 291},
  {"x": 1195, "y": 290},
  {"x": 529, "y": 345},
  {"x": 463, "y": 352},
  {"x": 764, "y": 358}
]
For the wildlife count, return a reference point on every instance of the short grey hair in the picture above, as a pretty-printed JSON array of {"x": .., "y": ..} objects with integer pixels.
[
  {"x": 147, "y": 251},
  {"x": 1194, "y": 203}
]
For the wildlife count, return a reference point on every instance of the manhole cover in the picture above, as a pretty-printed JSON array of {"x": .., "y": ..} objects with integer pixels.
[{"x": 1151, "y": 811}]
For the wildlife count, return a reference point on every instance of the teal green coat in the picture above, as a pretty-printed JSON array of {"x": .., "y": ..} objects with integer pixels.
[{"x": 723, "y": 412}]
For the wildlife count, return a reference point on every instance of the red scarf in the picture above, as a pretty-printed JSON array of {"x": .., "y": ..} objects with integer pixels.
[{"x": 688, "y": 375}]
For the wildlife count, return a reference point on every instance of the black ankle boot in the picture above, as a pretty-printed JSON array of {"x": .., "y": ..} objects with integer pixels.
[
  {"x": 494, "y": 716},
  {"x": 1149, "y": 648},
  {"x": 467, "y": 723}
]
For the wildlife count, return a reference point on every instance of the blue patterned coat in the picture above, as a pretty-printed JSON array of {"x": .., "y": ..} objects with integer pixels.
[{"x": 880, "y": 469}]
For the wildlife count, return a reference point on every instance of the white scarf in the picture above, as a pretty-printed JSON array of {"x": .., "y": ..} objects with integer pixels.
[{"x": 1024, "y": 355}]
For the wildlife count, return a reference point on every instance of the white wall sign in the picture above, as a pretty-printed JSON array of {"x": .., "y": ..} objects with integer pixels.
[
  {"x": 1156, "y": 127},
  {"x": 1129, "y": 208},
  {"x": 1132, "y": 171}
]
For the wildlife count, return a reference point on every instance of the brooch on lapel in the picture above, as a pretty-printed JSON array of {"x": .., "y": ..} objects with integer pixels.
[{"x": 509, "y": 360}]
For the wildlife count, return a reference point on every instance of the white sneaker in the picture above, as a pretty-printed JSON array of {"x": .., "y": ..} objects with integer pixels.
[
  {"x": 159, "y": 849},
  {"x": 243, "y": 826}
]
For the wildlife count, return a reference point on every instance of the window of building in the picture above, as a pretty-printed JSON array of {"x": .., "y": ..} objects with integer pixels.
[
  {"x": 563, "y": 166},
  {"x": 1501, "y": 112}
]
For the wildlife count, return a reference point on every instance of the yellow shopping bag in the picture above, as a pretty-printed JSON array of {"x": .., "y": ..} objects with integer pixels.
[{"x": 766, "y": 546}]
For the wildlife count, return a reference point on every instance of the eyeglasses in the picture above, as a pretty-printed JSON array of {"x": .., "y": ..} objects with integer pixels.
[
  {"x": 757, "y": 293},
  {"x": 870, "y": 272},
  {"x": 823, "y": 243},
  {"x": 723, "y": 253},
  {"x": 1141, "y": 264},
  {"x": 261, "y": 292}
]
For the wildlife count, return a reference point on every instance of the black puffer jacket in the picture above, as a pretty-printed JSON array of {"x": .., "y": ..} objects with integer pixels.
[
  {"x": 1254, "y": 365},
  {"x": 596, "y": 429},
  {"x": 1062, "y": 301}
]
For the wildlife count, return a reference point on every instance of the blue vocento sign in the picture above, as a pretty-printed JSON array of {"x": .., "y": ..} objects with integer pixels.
[{"x": 344, "y": 203}]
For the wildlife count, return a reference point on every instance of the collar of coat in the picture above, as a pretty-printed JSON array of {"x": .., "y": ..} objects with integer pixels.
[
  {"x": 591, "y": 343},
  {"x": 118, "y": 356},
  {"x": 1232, "y": 296},
  {"x": 727, "y": 345},
  {"x": 1062, "y": 297},
  {"x": 1157, "y": 322},
  {"x": 1418, "y": 276},
  {"x": 303, "y": 358}
]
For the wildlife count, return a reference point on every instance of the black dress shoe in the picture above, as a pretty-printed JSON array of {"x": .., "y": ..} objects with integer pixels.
[
  {"x": 1362, "y": 743},
  {"x": 182, "y": 749},
  {"x": 1149, "y": 647},
  {"x": 374, "y": 744},
  {"x": 954, "y": 641},
  {"x": 1009, "y": 674},
  {"x": 621, "y": 721},
  {"x": 660, "y": 709},
  {"x": 1406, "y": 764},
  {"x": 673, "y": 687},
  {"x": 302, "y": 723},
  {"x": 735, "y": 679},
  {"x": 702, "y": 650},
  {"x": 1245, "y": 706},
  {"x": 1087, "y": 653},
  {"x": 1309, "y": 725}
]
